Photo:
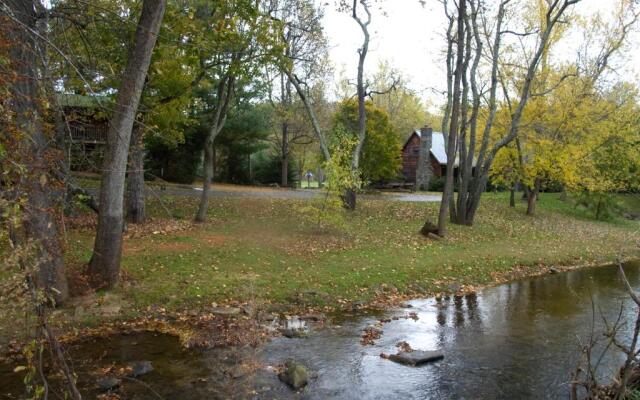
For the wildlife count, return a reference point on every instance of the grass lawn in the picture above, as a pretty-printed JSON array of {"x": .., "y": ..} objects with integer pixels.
[
  {"x": 267, "y": 250},
  {"x": 309, "y": 185}
]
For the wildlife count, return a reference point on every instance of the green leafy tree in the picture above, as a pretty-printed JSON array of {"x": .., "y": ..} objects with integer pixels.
[
  {"x": 382, "y": 148},
  {"x": 329, "y": 212},
  {"x": 244, "y": 135}
]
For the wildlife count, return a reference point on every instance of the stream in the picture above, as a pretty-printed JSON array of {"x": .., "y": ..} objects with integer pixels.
[{"x": 519, "y": 340}]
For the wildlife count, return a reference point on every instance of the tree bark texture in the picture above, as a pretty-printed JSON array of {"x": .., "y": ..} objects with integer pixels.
[
  {"x": 350, "y": 194},
  {"x": 284, "y": 171},
  {"x": 512, "y": 196},
  {"x": 224, "y": 92},
  {"x": 532, "y": 197},
  {"x": 474, "y": 179},
  {"x": 136, "y": 212},
  {"x": 104, "y": 267},
  {"x": 39, "y": 215},
  {"x": 447, "y": 193}
]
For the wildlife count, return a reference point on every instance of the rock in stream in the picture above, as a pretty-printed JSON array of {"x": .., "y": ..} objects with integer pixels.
[
  {"x": 294, "y": 374},
  {"x": 416, "y": 357},
  {"x": 140, "y": 368}
]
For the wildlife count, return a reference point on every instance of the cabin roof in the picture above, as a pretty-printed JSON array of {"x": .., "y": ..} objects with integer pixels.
[{"x": 438, "y": 149}]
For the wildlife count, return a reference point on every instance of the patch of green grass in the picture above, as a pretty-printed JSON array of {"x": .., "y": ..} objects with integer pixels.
[
  {"x": 629, "y": 202},
  {"x": 255, "y": 248},
  {"x": 309, "y": 185},
  {"x": 262, "y": 248}
]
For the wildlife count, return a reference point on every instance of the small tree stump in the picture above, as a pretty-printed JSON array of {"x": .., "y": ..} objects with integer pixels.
[{"x": 429, "y": 230}]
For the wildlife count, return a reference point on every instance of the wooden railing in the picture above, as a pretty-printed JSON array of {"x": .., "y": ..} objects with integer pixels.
[{"x": 89, "y": 133}]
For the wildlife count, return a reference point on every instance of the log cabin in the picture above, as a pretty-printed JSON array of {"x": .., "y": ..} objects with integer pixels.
[{"x": 434, "y": 142}]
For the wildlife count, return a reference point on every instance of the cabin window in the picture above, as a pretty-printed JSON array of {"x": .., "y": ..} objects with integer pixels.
[{"x": 416, "y": 151}]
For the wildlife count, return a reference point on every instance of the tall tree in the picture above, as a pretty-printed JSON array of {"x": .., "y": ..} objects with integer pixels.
[
  {"x": 361, "y": 87},
  {"x": 224, "y": 92},
  {"x": 300, "y": 66},
  {"x": 244, "y": 44},
  {"x": 470, "y": 200},
  {"x": 571, "y": 109},
  {"x": 32, "y": 145},
  {"x": 476, "y": 154},
  {"x": 104, "y": 266},
  {"x": 452, "y": 139}
]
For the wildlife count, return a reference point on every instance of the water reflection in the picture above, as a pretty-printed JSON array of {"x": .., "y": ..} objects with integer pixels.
[
  {"x": 515, "y": 341},
  {"x": 518, "y": 340}
]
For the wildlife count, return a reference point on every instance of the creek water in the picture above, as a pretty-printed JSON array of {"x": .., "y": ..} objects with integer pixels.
[{"x": 514, "y": 341}]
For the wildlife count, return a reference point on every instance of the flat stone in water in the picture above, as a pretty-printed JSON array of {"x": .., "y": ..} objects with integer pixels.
[
  {"x": 108, "y": 383},
  {"x": 416, "y": 357},
  {"x": 140, "y": 368}
]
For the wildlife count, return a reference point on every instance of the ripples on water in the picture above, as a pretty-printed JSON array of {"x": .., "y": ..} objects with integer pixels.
[{"x": 515, "y": 341}]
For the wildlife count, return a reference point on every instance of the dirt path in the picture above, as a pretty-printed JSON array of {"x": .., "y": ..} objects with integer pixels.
[{"x": 280, "y": 193}]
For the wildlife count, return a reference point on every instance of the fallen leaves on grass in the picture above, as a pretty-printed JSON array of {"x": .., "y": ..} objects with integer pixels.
[{"x": 156, "y": 226}]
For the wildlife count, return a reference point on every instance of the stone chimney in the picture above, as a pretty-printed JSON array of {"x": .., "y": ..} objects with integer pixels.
[{"x": 423, "y": 169}]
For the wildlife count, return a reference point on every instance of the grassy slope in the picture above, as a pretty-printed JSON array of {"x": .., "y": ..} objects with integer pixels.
[{"x": 264, "y": 249}]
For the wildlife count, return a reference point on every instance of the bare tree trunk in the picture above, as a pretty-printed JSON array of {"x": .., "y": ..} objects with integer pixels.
[
  {"x": 207, "y": 169},
  {"x": 485, "y": 155},
  {"x": 39, "y": 221},
  {"x": 447, "y": 110},
  {"x": 324, "y": 147},
  {"x": 104, "y": 267},
  {"x": 349, "y": 199},
  {"x": 285, "y": 90},
  {"x": 532, "y": 197},
  {"x": 447, "y": 193},
  {"x": 512, "y": 195},
  {"x": 284, "y": 171},
  {"x": 469, "y": 126},
  {"x": 350, "y": 194},
  {"x": 224, "y": 93},
  {"x": 136, "y": 212}
]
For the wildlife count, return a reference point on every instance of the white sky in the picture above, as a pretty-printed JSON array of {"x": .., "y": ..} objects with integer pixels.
[{"x": 411, "y": 38}]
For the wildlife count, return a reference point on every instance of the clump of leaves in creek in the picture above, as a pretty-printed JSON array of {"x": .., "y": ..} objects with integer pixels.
[
  {"x": 370, "y": 334},
  {"x": 328, "y": 212}
]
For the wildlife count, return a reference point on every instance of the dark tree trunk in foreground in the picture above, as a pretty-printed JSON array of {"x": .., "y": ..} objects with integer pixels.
[
  {"x": 104, "y": 267},
  {"x": 136, "y": 212},
  {"x": 447, "y": 193},
  {"x": 39, "y": 222}
]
